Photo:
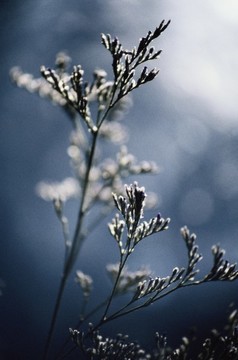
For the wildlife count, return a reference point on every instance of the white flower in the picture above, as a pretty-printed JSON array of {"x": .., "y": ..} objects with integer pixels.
[
  {"x": 62, "y": 191},
  {"x": 85, "y": 281}
]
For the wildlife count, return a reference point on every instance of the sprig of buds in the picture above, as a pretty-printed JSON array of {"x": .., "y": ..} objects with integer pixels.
[
  {"x": 131, "y": 209},
  {"x": 125, "y": 62}
]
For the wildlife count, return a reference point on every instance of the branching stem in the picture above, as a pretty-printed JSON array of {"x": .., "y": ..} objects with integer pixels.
[{"x": 78, "y": 238}]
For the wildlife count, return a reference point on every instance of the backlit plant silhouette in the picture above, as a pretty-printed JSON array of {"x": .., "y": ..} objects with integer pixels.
[{"x": 93, "y": 110}]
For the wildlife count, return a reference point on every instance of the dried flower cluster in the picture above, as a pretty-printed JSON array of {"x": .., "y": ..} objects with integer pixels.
[
  {"x": 96, "y": 346},
  {"x": 221, "y": 345},
  {"x": 132, "y": 211}
]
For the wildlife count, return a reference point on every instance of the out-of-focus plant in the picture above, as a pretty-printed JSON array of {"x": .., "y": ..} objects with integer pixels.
[{"x": 94, "y": 110}]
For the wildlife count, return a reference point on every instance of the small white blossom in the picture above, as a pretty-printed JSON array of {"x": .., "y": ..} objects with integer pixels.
[
  {"x": 68, "y": 188},
  {"x": 85, "y": 282}
]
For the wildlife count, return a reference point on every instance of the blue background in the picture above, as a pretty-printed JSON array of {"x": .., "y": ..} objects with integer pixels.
[{"x": 186, "y": 121}]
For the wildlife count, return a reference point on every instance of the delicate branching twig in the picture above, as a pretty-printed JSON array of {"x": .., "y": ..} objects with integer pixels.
[{"x": 150, "y": 290}]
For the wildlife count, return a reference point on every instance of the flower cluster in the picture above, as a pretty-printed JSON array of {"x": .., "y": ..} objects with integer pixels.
[
  {"x": 220, "y": 345},
  {"x": 157, "y": 285},
  {"x": 125, "y": 61},
  {"x": 95, "y": 346},
  {"x": 131, "y": 208}
]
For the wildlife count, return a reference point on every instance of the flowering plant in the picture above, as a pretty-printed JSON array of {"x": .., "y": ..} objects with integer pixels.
[{"x": 100, "y": 181}]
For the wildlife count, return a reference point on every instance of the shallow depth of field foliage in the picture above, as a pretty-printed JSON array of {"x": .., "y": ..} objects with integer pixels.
[{"x": 94, "y": 110}]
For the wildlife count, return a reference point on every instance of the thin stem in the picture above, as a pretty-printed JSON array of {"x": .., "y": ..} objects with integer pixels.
[
  {"x": 110, "y": 106},
  {"x": 54, "y": 316},
  {"x": 122, "y": 263},
  {"x": 77, "y": 240},
  {"x": 73, "y": 251},
  {"x": 64, "y": 356},
  {"x": 80, "y": 322},
  {"x": 76, "y": 243},
  {"x": 120, "y": 312}
]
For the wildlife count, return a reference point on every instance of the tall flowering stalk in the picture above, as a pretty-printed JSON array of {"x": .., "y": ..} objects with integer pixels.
[
  {"x": 75, "y": 96},
  {"x": 101, "y": 182}
]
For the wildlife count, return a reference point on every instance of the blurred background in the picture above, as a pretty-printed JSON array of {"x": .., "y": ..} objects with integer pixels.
[{"x": 185, "y": 120}]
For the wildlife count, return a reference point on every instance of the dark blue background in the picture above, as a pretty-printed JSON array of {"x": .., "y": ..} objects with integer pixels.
[{"x": 186, "y": 121}]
